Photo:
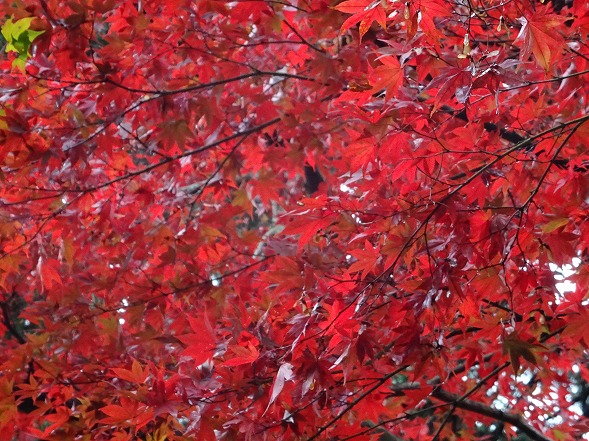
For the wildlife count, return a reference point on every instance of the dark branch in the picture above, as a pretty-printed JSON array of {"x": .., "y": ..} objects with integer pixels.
[
  {"x": 353, "y": 404},
  {"x": 6, "y": 321},
  {"x": 473, "y": 406}
]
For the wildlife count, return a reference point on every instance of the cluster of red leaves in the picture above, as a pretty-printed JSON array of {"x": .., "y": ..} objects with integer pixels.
[{"x": 163, "y": 275}]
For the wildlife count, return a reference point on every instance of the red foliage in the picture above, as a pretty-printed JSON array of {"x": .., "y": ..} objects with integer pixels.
[{"x": 284, "y": 220}]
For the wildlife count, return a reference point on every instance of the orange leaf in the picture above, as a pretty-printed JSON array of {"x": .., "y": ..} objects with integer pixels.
[
  {"x": 118, "y": 414},
  {"x": 136, "y": 375}
]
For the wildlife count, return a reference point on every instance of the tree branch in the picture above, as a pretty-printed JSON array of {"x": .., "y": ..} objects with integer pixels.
[
  {"x": 473, "y": 406},
  {"x": 350, "y": 406},
  {"x": 8, "y": 323},
  {"x": 167, "y": 160}
]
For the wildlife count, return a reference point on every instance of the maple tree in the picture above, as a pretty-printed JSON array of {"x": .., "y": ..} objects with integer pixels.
[{"x": 284, "y": 220}]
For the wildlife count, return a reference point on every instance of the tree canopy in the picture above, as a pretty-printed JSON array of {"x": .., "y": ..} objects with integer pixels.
[{"x": 294, "y": 220}]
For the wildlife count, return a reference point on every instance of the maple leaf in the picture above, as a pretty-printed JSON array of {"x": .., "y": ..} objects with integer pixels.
[
  {"x": 388, "y": 76},
  {"x": 200, "y": 345},
  {"x": 125, "y": 413},
  {"x": 285, "y": 373},
  {"x": 168, "y": 269},
  {"x": 244, "y": 355},
  {"x": 539, "y": 36},
  {"x": 49, "y": 275},
  {"x": 430, "y": 12},
  {"x": 19, "y": 37},
  {"x": 366, "y": 259},
  {"x": 361, "y": 152},
  {"x": 136, "y": 375},
  {"x": 364, "y": 11},
  {"x": 518, "y": 348}
]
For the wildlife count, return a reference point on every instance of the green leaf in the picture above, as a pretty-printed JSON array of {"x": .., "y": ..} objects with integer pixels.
[
  {"x": 13, "y": 30},
  {"x": 19, "y": 38}
]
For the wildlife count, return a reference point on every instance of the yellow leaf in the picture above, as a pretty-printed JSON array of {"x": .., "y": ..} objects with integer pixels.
[{"x": 554, "y": 225}]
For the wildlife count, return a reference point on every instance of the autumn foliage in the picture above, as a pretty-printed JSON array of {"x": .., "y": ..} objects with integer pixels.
[{"x": 294, "y": 220}]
